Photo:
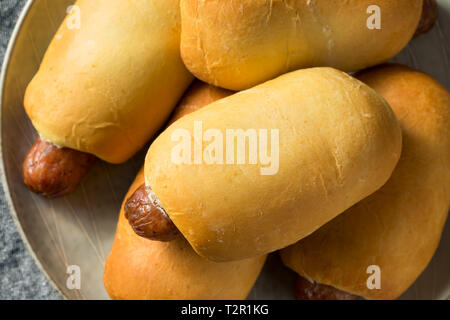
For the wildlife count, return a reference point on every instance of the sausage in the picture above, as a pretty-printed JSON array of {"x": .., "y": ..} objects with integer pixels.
[
  {"x": 147, "y": 218},
  {"x": 429, "y": 17},
  {"x": 307, "y": 290},
  {"x": 53, "y": 171}
]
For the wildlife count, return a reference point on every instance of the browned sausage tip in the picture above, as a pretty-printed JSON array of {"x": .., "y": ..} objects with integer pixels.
[
  {"x": 307, "y": 290},
  {"x": 53, "y": 171},
  {"x": 429, "y": 16},
  {"x": 147, "y": 218}
]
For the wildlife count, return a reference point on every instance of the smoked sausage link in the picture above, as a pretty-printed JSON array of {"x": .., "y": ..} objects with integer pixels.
[
  {"x": 429, "y": 17},
  {"x": 147, "y": 218},
  {"x": 53, "y": 171},
  {"x": 307, "y": 290}
]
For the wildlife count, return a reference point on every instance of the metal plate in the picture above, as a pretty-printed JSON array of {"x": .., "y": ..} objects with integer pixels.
[{"x": 79, "y": 229}]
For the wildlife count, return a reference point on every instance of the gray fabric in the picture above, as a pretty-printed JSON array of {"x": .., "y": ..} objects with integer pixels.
[{"x": 19, "y": 276}]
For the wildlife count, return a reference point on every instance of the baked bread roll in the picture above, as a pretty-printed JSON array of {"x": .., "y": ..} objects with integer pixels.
[
  {"x": 108, "y": 86},
  {"x": 398, "y": 228},
  {"x": 331, "y": 141},
  {"x": 239, "y": 44}
]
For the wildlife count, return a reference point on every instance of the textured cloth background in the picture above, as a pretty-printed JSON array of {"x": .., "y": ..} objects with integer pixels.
[{"x": 19, "y": 276}]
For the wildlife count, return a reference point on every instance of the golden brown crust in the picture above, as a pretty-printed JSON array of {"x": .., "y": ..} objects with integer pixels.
[
  {"x": 397, "y": 228},
  {"x": 239, "y": 44},
  {"x": 105, "y": 88},
  {"x": 338, "y": 142},
  {"x": 54, "y": 172}
]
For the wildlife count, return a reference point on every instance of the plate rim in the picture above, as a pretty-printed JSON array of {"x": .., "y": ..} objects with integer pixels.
[{"x": 12, "y": 210}]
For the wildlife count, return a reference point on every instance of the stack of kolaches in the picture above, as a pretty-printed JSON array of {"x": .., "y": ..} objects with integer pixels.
[{"x": 358, "y": 164}]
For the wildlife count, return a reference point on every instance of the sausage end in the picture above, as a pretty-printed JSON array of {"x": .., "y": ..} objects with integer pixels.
[
  {"x": 53, "y": 171},
  {"x": 308, "y": 290},
  {"x": 148, "y": 219}
]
